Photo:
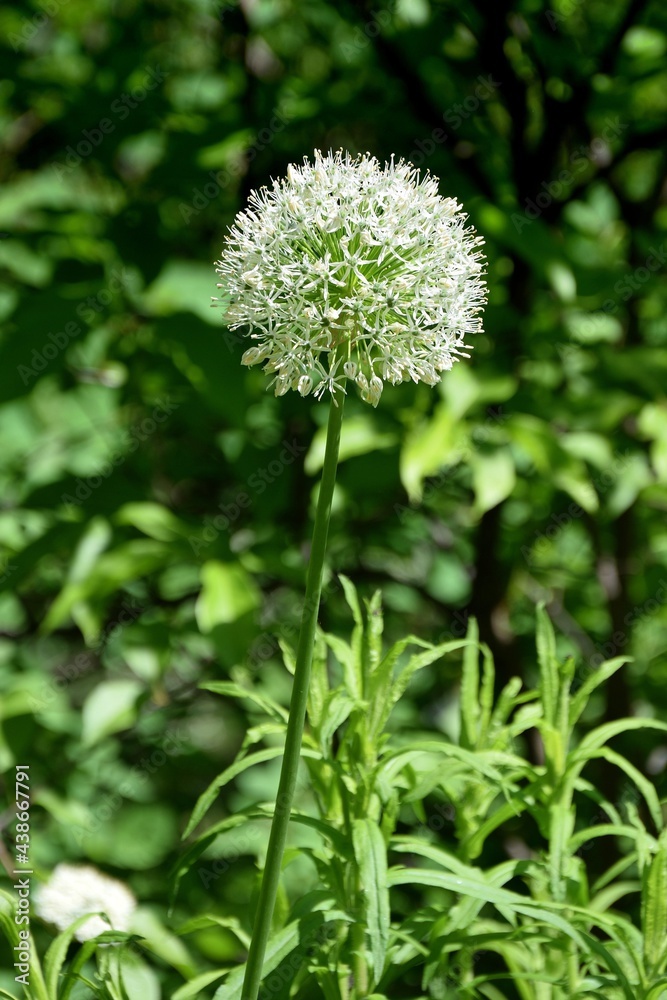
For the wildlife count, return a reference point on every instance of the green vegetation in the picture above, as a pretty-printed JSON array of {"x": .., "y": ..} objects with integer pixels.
[{"x": 157, "y": 504}]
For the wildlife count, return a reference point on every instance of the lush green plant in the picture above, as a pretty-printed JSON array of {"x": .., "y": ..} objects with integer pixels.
[
  {"x": 536, "y": 921},
  {"x": 385, "y": 910},
  {"x": 108, "y": 967},
  {"x": 140, "y": 555}
]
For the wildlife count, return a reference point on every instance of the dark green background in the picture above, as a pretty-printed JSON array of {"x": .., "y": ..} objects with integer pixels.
[{"x": 537, "y": 471}]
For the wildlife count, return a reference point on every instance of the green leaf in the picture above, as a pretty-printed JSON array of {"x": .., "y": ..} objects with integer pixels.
[
  {"x": 183, "y": 286},
  {"x": 153, "y": 519},
  {"x": 158, "y": 939},
  {"x": 379, "y": 685},
  {"x": 433, "y": 444},
  {"x": 233, "y": 690},
  {"x": 417, "y": 662},
  {"x": 93, "y": 542},
  {"x": 601, "y": 830},
  {"x": 470, "y": 709},
  {"x": 394, "y": 760},
  {"x": 546, "y": 657},
  {"x": 57, "y": 953},
  {"x": 196, "y": 849},
  {"x": 654, "y": 908},
  {"x": 337, "y": 708},
  {"x": 359, "y": 435},
  {"x": 577, "y": 759},
  {"x": 137, "y": 977},
  {"x": 138, "y": 835},
  {"x": 373, "y": 637},
  {"x": 9, "y": 928},
  {"x": 213, "y": 920},
  {"x": 493, "y": 478},
  {"x": 279, "y": 947},
  {"x": 208, "y": 797},
  {"x": 601, "y": 674},
  {"x": 194, "y": 988},
  {"x": 227, "y": 593},
  {"x": 319, "y": 682},
  {"x": 109, "y": 708},
  {"x": 542, "y": 912},
  {"x": 371, "y": 856},
  {"x": 602, "y": 734},
  {"x": 345, "y": 655}
]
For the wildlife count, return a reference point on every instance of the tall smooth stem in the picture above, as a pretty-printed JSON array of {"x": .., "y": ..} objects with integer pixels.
[{"x": 297, "y": 712}]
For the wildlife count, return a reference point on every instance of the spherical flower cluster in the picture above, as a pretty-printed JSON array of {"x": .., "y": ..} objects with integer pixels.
[
  {"x": 74, "y": 890},
  {"x": 349, "y": 270}
]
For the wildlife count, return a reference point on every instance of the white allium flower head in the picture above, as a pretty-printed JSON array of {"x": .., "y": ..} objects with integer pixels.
[
  {"x": 349, "y": 270},
  {"x": 74, "y": 890}
]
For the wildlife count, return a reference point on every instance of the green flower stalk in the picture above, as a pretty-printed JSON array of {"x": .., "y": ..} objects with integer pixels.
[{"x": 343, "y": 273}]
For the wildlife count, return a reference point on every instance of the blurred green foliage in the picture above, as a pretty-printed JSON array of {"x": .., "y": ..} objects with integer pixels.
[{"x": 156, "y": 498}]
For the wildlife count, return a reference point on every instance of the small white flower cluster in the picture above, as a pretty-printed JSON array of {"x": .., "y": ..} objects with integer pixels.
[
  {"x": 74, "y": 890},
  {"x": 349, "y": 270}
]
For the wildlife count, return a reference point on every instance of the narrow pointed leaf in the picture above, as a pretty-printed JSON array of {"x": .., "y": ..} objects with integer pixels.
[
  {"x": 371, "y": 856},
  {"x": 470, "y": 688},
  {"x": 546, "y": 657},
  {"x": 654, "y": 909},
  {"x": 207, "y": 798}
]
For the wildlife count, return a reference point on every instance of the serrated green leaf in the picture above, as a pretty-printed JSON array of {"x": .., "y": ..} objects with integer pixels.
[
  {"x": 417, "y": 662},
  {"x": 470, "y": 710},
  {"x": 373, "y": 636},
  {"x": 371, "y": 856},
  {"x": 57, "y": 953},
  {"x": 654, "y": 909},
  {"x": 336, "y": 710},
  {"x": 479, "y": 889},
  {"x": 546, "y": 658}
]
